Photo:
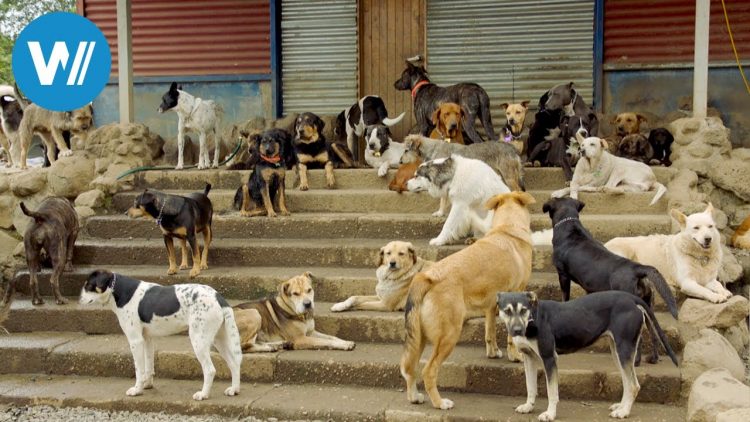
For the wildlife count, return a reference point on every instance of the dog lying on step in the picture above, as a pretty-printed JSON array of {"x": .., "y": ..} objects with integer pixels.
[
  {"x": 542, "y": 329},
  {"x": 147, "y": 310}
]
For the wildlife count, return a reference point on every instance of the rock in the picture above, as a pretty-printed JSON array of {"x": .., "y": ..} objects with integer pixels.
[
  {"x": 8, "y": 244},
  {"x": 92, "y": 199},
  {"x": 20, "y": 220},
  {"x": 742, "y": 154},
  {"x": 7, "y": 204},
  {"x": 20, "y": 250},
  {"x": 69, "y": 176},
  {"x": 119, "y": 140},
  {"x": 84, "y": 213},
  {"x": 699, "y": 313},
  {"x": 734, "y": 415},
  {"x": 28, "y": 182},
  {"x": 739, "y": 337},
  {"x": 716, "y": 391},
  {"x": 730, "y": 270},
  {"x": 732, "y": 175},
  {"x": 710, "y": 350},
  {"x": 4, "y": 184}
]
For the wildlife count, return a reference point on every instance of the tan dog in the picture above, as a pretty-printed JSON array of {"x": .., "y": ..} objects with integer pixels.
[
  {"x": 628, "y": 123},
  {"x": 514, "y": 130},
  {"x": 741, "y": 237},
  {"x": 403, "y": 174},
  {"x": 398, "y": 265},
  {"x": 464, "y": 285},
  {"x": 447, "y": 119},
  {"x": 285, "y": 320}
]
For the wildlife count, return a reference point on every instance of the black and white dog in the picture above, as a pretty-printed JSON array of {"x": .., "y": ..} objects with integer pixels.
[
  {"x": 194, "y": 114},
  {"x": 368, "y": 111},
  {"x": 381, "y": 152},
  {"x": 147, "y": 310},
  {"x": 542, "y": 329}
]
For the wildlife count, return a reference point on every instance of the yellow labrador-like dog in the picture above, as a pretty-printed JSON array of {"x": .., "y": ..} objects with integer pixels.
[
  {"x": 284, "y": 321},
  {"x": 398, "y": 265},
  {"x": 689, "y": 260},
  {"x": 465, "y": 284}
]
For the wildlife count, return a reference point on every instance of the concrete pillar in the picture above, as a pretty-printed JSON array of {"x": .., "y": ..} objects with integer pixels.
[
  {"x": 125, "y": 61},
  {"x": 700, "y": 66}
]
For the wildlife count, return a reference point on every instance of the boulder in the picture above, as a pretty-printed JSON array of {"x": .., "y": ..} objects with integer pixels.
[
  {"x": 4, "y": 183},
  {"x": 20, "y": 220},
  {"x": 713, "y": 392},
  {"x": 133, "y": 144},
  {"x": 7, "y": 204},
  {"x": 731, "y": 269},
  {"x": 28, "y": 182},
  {"x": 92, "y": 199},
  {"x": 739, "y": 337},
  {"x": 84, "y": 213},
  {"x": 734, "y": 415},
  {"x": 69, "y": 176},
  {"x": 710, "y": 350},
  {"x": 732, "y": 175},
  {"x": 8, "y": 244},
  {"x": 699, "y": 313},
  {"x": 742, "y": 154}
]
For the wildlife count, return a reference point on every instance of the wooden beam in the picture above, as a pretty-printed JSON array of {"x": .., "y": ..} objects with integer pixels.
[
  {"x": 125, "y": 57},
  {"x": 700, "y": 66}
]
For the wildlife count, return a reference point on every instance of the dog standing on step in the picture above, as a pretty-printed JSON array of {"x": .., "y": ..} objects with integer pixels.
[
  {"x": 198, "y": 115},
  {"x": 147, "y": 310},
  {"x": 542, "y": 329},
  {"x": 182, "y": 217},
  {"x": 352, "y": 122}
]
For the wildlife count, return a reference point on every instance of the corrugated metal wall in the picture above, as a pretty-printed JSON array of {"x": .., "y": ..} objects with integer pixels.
[
  {"x": 491, "y": 42},
  {"x": 319, "y": 55},
  {"x": 177, "y": 37},
  {"x": 663, "y": 31}
]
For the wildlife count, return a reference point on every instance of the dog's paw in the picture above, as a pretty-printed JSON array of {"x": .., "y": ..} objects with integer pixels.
[
  {"x": 619, "y": 413},
  {"x": 68, "y": 267},
  {"x": 172, "y": 270},
  {"x": 148, "y": 382},
  {"x": 727, "y": 294},
  {"x": 200, "y": 396},
  {"x": 134, "y": 391},
  {"x": 445, "y": 404},
  {"x": 417, "y": 399},
  {"x": 61, "y": 301},
  {"x": 184, "y": 266},
  {"x": 348, "y": 345},
  {"x": 525, "y": 408},
  {"x": 195, "y": 272},
  {"x": 493, "y": 352},
  {"x": 339, "y": 307},
  {"x": 179, "y": 166},
  {"x": 303, "y": 187},
  {"x": 546, "y": 417},
  {"x": 66, "y": 153},
  {"x": 615, "y": 406},
  {"x": 272, "y": 214},
  {"x": 715, "y": 298},
  {"x": 285, "y": 213},
  {"x": 438, "y": 213},
  {"x": 231, "y": 391},
  {"x": 37, "y": 301},
  {"x": 382, "y": 171},
  {"x": 437, "y": 242},
  {"x": 204, "y": 266}
]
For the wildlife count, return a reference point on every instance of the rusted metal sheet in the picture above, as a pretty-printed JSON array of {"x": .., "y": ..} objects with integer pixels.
[
  {"x": 174, "y": 37},
  {"x": 651, "y": 32}
]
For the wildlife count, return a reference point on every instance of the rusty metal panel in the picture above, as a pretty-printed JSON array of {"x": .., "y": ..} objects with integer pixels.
[
  {"x": 516, "y": 50},
  {"x": 654, "y": 32},
  {"x": 319, "y": 45},
  {"x": 174, "y": 37}
]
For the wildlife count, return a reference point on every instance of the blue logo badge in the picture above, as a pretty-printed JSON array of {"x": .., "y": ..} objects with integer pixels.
[{"x": 61, "y": 61}]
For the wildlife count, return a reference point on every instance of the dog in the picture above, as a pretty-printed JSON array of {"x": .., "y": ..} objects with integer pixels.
[
  {"x": 447, "y": 119},
  {"x": 463, "y": 285},
  {"x": 352, "y": 122},
  {"x": 574, "y": 252},
  {"x": 55, "y": 229},
  {"x": 312, "y": 149},
  {"x": 265, "y": 189},
  {"x": 382, "y": 152},
  {"x": 599, "y": 171},
  {"x": 546, "y": 127},
  {"x": 689, "y": 260},
  {"x": 182, "y": 217},
  {"x": 565, "y": 98},
  {"x": 741, "y": 236},
  {"x": 397, "y": 266},
  {"x": 402, "y": 176},
  {"x": 284, "y": 321},
  {"x": 514, "y": 130},
  {"x": 500, "y": 156},
  {"x": 198, "y": 115},
  {"x": 542, "y": 329},
  {"x": 11, "y": 115},
  {"x": 628, "y": 123},
  {"x": 636, "y": 147},
  {"x": 147, "y": 310},
  {"x": 661, "y": 141},
  {"x": 469, "y": 184},
  {"x": 427, "y": 97}
]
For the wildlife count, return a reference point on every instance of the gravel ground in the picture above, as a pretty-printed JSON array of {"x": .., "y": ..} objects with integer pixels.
[{"x": 82, "y": 414}]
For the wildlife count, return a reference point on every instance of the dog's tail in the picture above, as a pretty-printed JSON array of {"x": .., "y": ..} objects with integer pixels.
[
  {"x": 21, "y": 100},
  {"x": 229, "y": 332},
  {"x": 390, "y": 122},
  {"x": 654, "y": 323},
  {"x": 420, "y": 285},
  {"x": 207, "y": 189},
  {"x": 655, "y": 277},
  {"x": 7, "y": 90},
  {"x": 37, "y": 216},
  {"x": 660, "y": 191}
]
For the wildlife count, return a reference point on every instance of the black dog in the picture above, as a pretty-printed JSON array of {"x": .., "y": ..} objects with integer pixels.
[
  {"x": 266, "y": 186},
  {"x": 542, "y": 329},
  {"x": 661, "y": 141},
  {"x": 546, "y": 127},
  {"x": 427, "y": 97},
  {"x": 580, "y": 258},
  {"x": 182, "y": 217},
  {"x": 312, "y": 149}
]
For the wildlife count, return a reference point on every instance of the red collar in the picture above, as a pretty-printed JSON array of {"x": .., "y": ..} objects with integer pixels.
[
  {"x": 416, "y": 88},
  {"x": 273, "y": 160}
]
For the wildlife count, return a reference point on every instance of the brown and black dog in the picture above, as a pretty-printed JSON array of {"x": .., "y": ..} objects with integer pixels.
[
  {"x": 55, "y": 229},
  {"x": 182, "y": 217},
  {"x": 312, "y": 149},
  {"x": 447, "y": 119},
  {"x": 636, "y": 147}
]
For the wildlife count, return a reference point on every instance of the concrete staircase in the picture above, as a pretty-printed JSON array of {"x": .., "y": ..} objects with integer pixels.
[{"x": 70, "y": 355}]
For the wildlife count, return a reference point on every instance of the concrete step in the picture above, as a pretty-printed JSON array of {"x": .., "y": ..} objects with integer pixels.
[
  {"x": 294, "y": 402},
  {"x": 583, "y": 376},
  {"x": 536, "y": 178},
  {"x": 359, "y": 326},
  {"x": 357, "y": 225},
  {"x": 385, "y": 201}
]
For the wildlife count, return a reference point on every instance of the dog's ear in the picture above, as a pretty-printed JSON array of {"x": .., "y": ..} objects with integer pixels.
[
  {"x": 641, "y": 117},
  {"x": 613, "y": 120},
  {"x": 710, "y": 209},
  {"x": 319, "y": 125},
  {"x": 547, "y": 208},
  {"x": 494, "y": 202},
  {"x": 381, "y": 256},
  {"x": 579, "y": 205},
  {"x": 171, "y": 204},
  {"x": 284, "y": 288},
  {"x": 525, "y": 104},
  {"x": 604, "y": 144},
  {"x": 308, "y": 274},
  {"x": 533, "y": 300},
  {"x": 412, "y": 252},
  {"x": 679, "y": 217},
  {"x": 504, "y": 106},
  {"x": 244, "y": 133},
  {"x": 570, "y": 87},
  {"x": 436, "y": 116},
  {"x": 173, "y": 86},
  {"x": 523, "y": 198}
]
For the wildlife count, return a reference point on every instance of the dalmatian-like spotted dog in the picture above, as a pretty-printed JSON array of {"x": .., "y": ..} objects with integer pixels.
[{"x": 147, "y": 310}]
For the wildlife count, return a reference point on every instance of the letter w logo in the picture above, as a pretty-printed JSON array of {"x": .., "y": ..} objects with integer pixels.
[{"x": 46, "y": 71}]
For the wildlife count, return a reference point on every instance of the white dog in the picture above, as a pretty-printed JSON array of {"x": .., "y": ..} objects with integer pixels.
[
  {"x": 469, "y": 184},
  {"x": 599, "y": 171},
  {"x": 194, "y": 114},
  {"x": 689, "y": 260},
  {"x": 146, "y": 310},
  {"x": 381, "y": 151}
]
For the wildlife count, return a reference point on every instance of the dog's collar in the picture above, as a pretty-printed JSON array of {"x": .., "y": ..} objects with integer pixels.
[
  {"x": 510, "y": 136},
  {"x": 114, "y": 281},
  {"x": 564, "y": 220},
  {"x": 419, "y": 84},
  {"x": 161, "y": 212},
  {"x": 299, "y": 317},
  {"x": 275, "y": 160}
]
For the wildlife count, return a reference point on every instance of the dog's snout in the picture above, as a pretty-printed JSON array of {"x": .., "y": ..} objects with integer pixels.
[
  {"x": 393, "y": 264},
  {"x": 512, "y": 121},
  {"x": 372, "y": 145},
  {"x": 707, "y": 240},
  {"x": 516, "y": 331},
  {"x": 307, "y": 303}
]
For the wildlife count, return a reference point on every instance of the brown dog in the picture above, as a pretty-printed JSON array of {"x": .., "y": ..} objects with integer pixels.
[
  {"x": 628, "y": 123},
  {"x": 55, "y": 229},
  {"x": 636, "y": 147},
  {"x": 403, "y": 174},
  {"x": 514, "y": 131},
  {"x": 285, "y": 320},
  {"x": 741, "y": 237},
  {"x": 464, "y": 285},
  {"x": 447, "y": 119}
]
